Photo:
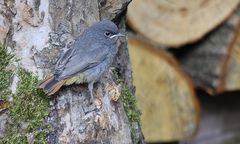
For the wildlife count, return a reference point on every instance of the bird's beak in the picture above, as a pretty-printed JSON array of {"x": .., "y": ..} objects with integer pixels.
[{"x": 117, "y": 35}]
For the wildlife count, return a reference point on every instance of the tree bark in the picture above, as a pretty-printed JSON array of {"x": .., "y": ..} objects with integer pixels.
[{"x": 38, "y": 31}]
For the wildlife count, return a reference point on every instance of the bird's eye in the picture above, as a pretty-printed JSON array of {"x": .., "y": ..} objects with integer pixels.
[{"x": 107, "y": 34}]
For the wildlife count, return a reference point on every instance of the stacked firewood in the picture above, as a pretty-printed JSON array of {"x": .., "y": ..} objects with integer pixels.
[{"x": 177, "y": 47}]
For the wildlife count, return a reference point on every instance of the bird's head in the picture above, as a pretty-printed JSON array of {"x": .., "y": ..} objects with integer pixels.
[{"x": 107, "y": 31}]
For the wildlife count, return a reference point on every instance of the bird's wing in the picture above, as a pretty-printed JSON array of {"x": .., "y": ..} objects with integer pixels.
[
  {"x": 81, "y": 60},
  {"x": 62, "y": 61}
]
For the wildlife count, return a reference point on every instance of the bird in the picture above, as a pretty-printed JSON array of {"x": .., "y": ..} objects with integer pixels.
[{"x": 88, "y": 58}]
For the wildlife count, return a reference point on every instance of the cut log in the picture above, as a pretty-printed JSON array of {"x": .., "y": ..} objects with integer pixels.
[
  {"x": 231, "y": 79},
  {"x": 175, "y": 23},
  {"x": 165, "y": 95},
  {"x": 219, "y": 120},
  {"x": 206, "y": 61}
]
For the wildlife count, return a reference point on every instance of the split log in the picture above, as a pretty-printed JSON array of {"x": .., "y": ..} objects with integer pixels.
[
  {"x": 174, "y": 23},
  {"x": 39, "y": 31},
  {"x": 166, "y": 96},
  {"x": 207, "y": 60}
]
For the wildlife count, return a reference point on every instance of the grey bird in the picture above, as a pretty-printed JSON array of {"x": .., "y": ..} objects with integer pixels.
[{"x": 90, "y": 56}]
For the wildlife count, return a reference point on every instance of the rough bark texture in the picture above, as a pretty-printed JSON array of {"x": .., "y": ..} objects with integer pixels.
[
  {"x": 171, "y": 111},
  {"x": 38, "y": 31},
  {"x": 206, "y": 60},
  {"x": 175, "y": 23}
]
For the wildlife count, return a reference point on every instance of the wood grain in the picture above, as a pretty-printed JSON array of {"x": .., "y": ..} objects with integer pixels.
[
  {"x": 165, "y": 95},
  {"x": 174, "y": 23},
  {"x": 232, "y": 74}
]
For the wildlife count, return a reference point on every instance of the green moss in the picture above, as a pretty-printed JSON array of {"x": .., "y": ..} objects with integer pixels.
[
  {"x": 5, "y": 57},
  {"x": 130, "y": 107},
  {"x": 27, "y": 111},
  {"x": 5, "y": 76},
  {"x": 133, "y": 114},
  {"x": 28, "y": 108}
]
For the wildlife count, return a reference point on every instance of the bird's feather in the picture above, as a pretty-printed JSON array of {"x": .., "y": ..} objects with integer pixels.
[
  {"x": 50, "y": 85},
  {"x": 45, "y": 81},
  {"x": 81, "y": 60},
  {"x": 60, "y": 65},
  {"x": 56, "y": 87}
]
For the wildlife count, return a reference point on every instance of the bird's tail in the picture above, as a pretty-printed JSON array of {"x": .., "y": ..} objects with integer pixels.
[{"x": 50, "y": 85}]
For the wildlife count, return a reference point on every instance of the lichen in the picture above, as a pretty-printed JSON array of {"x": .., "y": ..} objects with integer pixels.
[
  {"x": 28, "y": 108},
  {"x": 130, "y": 107}
]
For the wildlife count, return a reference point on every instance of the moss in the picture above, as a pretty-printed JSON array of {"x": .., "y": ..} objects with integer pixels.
[
  {"x": 28, "y": 108},
  {"x": 133, "y": 114},
  {"x": 5, "y": 76},
  {"x": 27, "y": 111},
  {"x": 5, "y": 57},
  {"x": 130, "y": 107}
]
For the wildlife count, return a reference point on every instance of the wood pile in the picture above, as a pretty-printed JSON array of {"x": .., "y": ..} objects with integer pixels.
[{"x": 177, "y": 47}]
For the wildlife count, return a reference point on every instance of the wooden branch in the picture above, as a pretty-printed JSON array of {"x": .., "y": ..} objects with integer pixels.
[
  {"x": 165, "y": 94},
  {"x": 175, "y": 23},
  {"x": 206, "y": 60}
]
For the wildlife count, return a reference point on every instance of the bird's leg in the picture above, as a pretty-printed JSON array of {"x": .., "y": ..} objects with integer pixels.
[{"x": 90, "y": 88}]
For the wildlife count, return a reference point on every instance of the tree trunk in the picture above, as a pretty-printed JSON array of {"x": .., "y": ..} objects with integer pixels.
[{"x": 37, "y": 32}]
